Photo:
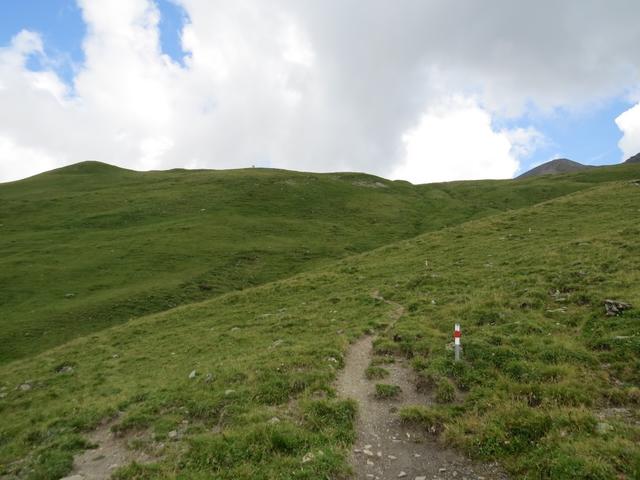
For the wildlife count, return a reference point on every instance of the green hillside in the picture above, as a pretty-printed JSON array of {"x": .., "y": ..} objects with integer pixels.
[
  {"x": 91, "y": 245},
  {"x": 549, "y": 385}
]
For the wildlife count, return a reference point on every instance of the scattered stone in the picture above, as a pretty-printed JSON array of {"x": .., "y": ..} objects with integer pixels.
[
  {"x": 379, "y": 454},
  {"x": 367, "y": 447},
  {"x": 277, "y": 343},
  {"x": 357, "y": 450},
  {"x": 229, "y": 392},
  {"x": 273, "y": 420},
  {"x": 73, "y": 477},
  {"x": 367, "y": 452},
  {"x": 65, "y": 369},
  {"x": 615, "y": 307},
  {"x": 369, "y": 462},
  {"x": 173, "y": 434},
  {"x": 402, "y": 474},
  {"x": 69, "y": 295},
  {"x": 308, "y": 457},
  {"x": 192, "y": 375},
  {"x": 442, "y": 470},
  {"x": 115, "y": 355},
  {"x": 421, "y": 477},
  {"x": 208, "y": 378},
  {"x": 235, "y": 329},
  {"x": 25, "y": 386},
  {"x": 392, "y": 457}
]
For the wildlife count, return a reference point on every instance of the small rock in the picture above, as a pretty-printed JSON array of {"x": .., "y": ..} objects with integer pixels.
[
  {"x": 208, "y": 378},
  {"x": 367, "y": 447},
  {"x": 603, "y": 427},
  {"x": 115, "y": 355},
  {"x": 442, "y": 470},
  {"x": 69, "y": 295},
  {"x": 229, "y": 392},
  {"x": 25, "y": 386},
  {"x": 417, "y": 455},
  {"x": 392, "y": 457},
  {"x": 73, "y": 477},
  {"x": 172, "y": 434},
  {"x": 66, "y": 369},
  {"x": 193, "y": 374},
  {"x": 369, "y": 462},
  {"x": 273, "y": 420},
  {"x": 421, "y": 477},
  {"x": 367, "y": 452},
  {"x": 615, "y": 307},
  {"x": 277, "y": 343},
  {"x": 402, "y": 474},
  {"x": 308, "y": 457},
  {"x": 379, "y": 454}
]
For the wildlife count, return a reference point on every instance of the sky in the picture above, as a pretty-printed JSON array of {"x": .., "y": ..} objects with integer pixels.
[{"x": 419, "y": 90}]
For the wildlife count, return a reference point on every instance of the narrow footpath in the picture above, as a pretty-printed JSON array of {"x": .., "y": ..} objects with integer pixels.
[{"x": 385, "y": 448}]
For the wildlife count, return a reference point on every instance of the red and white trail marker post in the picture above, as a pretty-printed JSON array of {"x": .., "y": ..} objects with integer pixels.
[{"x": 456, "y": 341}]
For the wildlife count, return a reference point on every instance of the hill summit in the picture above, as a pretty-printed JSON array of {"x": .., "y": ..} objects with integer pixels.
[
  {"x": 634, "y": 159},
  {"x": 554, "y": 167}
]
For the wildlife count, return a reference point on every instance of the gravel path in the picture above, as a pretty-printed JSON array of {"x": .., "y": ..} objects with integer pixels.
[
  {"x": 387, "y": 449},
  {"x": 111, "y": 453}
]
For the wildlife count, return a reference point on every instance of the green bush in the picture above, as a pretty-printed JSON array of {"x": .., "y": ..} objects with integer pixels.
[
  {"x": 384, "y": 390},
  {"x": 445, "y": 391},
  {"x": 376, "y": 373}
]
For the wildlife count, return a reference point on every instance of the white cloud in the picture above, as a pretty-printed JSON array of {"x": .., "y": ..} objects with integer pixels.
[
  {"x": 629, "y": 123},
  {"x": 321, "y": 86},
  {"x": 455, "y": 141},
  {"x": 17, "y": 161}
]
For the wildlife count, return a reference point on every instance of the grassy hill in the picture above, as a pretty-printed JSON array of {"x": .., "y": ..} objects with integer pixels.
[
  {"x": 548, "y": 385},
  {"x": 91, "y": 245}
]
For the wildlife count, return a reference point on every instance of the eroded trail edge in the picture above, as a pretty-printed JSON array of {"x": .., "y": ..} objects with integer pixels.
[{"x": 385, "y": 447}]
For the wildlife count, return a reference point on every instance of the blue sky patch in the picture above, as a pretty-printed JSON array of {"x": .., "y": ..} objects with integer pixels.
[{"x": 173, "y": 18}]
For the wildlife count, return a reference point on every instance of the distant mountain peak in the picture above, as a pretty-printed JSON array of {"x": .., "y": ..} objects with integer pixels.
[
  {"x": 634, "y": 159},
  {"x": 555, "y": 167}
]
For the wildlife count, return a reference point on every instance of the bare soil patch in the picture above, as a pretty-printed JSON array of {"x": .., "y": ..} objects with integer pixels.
[{"x": 113, "y": 451}]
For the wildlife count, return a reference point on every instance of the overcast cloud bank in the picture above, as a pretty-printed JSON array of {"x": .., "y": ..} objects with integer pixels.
[{"x": 405, "y": 89}]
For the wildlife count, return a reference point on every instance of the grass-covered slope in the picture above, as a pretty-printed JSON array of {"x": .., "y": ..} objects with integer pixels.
[
  {"x": 548, "y": 384},
  {"x": 91, "y": 245}
]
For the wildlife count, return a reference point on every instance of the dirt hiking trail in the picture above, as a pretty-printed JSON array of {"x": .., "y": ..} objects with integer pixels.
[
  {"x": 111, "y": 453},
  {"x": 385, "y": 448}
]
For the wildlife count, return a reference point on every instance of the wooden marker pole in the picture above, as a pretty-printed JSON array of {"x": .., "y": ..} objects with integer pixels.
[{"x": 456, "y": 340}]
